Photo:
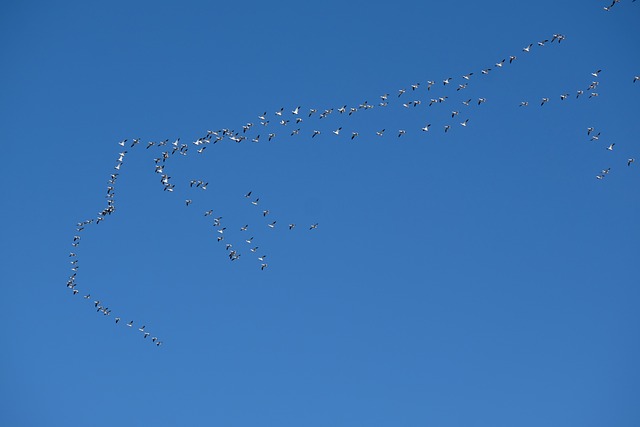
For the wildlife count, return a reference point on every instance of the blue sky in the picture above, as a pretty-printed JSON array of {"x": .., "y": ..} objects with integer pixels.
[{"x": 481, "y": 276}]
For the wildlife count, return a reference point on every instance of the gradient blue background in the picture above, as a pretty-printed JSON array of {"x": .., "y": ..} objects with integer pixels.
[{"x": 478, "y": 278}]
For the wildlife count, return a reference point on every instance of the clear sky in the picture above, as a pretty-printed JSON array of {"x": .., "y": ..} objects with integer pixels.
[{"x": 481, "y": 276}]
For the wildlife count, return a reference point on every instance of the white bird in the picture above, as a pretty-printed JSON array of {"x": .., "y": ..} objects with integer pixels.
[
  {"x": 636, "y": 78},
  {"x": 296, "y": 111},
  {"x": 272, "y": 225},
  {"x": 255, "y": 202},
  {"x": 130, "y": 324},
  {"x": 188, "y": 202},
  {"x": 315, "y": 132},
  {"x": 291, "y": 226},
  {"x": 401, "y": 132},
  {"x": 446, "y": 81},
  {"x": 629, "y": 161},
  {"x": 528, "y": 48},
  {"x": 481, "y": 100},
  {"x": 265, "y": 213},
  {"x": 467, "y": 76},
  {"x": 524, "y": 103},
  {"x": 595, "y": 73},
  {"x": 354, "y": 134},
  {"x": 244, "y": 228},
  {"x": 446, "y": 128},
  {"x": 141, "y": 329},
  {"x": 426, "y": 128},
  {"x": 544, "y": 100},
  {"x": 263, "y": 266},
  {"x": 610, "y": 147},
  {"x": 337, "y": 131},
  {"x": 249, "y": 240},
  {"x": 580, "y": 92},
  {"x": 380, "y": 132},
  {"x": 464, "y": 123},
  {"x": 512, "y": 58},
  {"x": 313, "y": 226}
]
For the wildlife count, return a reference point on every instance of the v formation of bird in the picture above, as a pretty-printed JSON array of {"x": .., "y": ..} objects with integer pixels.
[{"x": 296, "y": 117}]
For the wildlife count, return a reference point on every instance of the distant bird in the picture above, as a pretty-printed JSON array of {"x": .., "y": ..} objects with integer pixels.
[
  {"x": 315, "y": 132},
  {"x": 187, "y": 202},
  {"x": 544, "y": 101},
  {"x": 481, "y": 100},
  {"x": 249, "y": 240},
  {"x": 610, "y": 147},
  {"x": 244, "y": 228},
  {"x": 130, "y": 324},
  {"x": 265, "y": 213},
  {"x": 337, "y": 131},
  {"x": 447, "y": 81},
  {"x": 296, "y": 111},
  {"x": 117, "y": 319},
  {"x": 354, "y": 134},
  {"x": 291, "y": 226},
  {"x": 255, "y": 202},
  {"x": 564, "y": 96},
  {"x": 512, "y": 58},
  {"x": 580, "y": 92},
  {"x": 313, "y": 226},
  {"x": 380, "y": 132},
  {"x": 454, "y": 113},
  {"x": 464, "y": 123},
  {"x": 426, "y": 128},
  {"x": 528, "y": 48},
  {"x": 263, "y": 266},
  {"x": 401, "y": 132},
  {"x": 636, "y": 78},
  {"x": 595, "y": 73},
  {"x": 446, "y": 128},
  {"x": 272, "y": 225},
  {"x": 629, "y": 161},
  {"x": 524, "y": 104},
  {"x": 589, "y": 130},
  {"x": 141, "y": 329}
]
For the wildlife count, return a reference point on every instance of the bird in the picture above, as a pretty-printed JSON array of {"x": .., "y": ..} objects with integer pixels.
[
  {"x": 464, "y": 123},
  {"x": 467, "y": 76},
  {"x": 446, "y": 128},
  {"x": 595, "y": 73},
  {"x": 117, "y": 319},
  {"x": 426, "y": 127},
  {"x": 544, "y": 100},
  {"x": 610, "y": 147},
  {"x": 244, "y": 228},
  {"x": 255, "y": 202},
  {"x": 249, "y": 240},
  {"x": 296, "y": 111},
  {"x": 337, "y": 131},
  {"x": 272, "y": 225},
  {"x": 291, "y": 226},
  {"x": 589, "y": 130},
  {"x": 187, "y": 202},
  {"x": 447, "y": 81},
  {"x": 130, "y": 324},
  {"x": 524, "y": 103},
  {"x": 481, "y": 100},
  {"x": 467, "y": 102},
  {"x": 528, "y": 48},
  {"x": 354, "y": 134},
  {"x": 564, "y": 96},
  {"x": 141, "y": 329},
  {"x": 512, "y": 58},
  {"x": 454, "y": 113},
  {"x": 313, "y": 226},
  {"x": 380, "y": 132},
  {"x": 629, "y": 161},
  {"x": 263, "y": 266},
  {"x": 401, "y": 132},
  {"x": 315, "y": 132},
  {"x": 265, "y": 212},
  {"x": 636, "y": 78}
]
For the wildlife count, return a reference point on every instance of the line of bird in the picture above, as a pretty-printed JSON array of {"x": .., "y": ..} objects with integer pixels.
[
  {"x": 177, "y": 148},
  {"x": 72, "y": 284}
]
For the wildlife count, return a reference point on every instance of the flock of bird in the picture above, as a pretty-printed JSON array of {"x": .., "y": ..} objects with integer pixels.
[{"x": 293, "y": 121}]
